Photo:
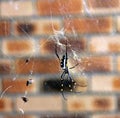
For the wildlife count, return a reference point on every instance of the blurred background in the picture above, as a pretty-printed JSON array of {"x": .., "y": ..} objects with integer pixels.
[{"x": 30, "y": 72}]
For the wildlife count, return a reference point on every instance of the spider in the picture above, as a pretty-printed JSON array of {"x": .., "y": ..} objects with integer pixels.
[
  {"x": 30, "y": 81},
  {"x": 25, "y": 99},
  {"x": 64, "y": 66}
]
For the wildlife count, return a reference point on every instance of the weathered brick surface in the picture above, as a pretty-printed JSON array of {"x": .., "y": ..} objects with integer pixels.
[
  {"x": 99, "y": 83},
  {"x": 106, "y": 4},
  {"x": 17, "y": 8},
  {"x": 107, "y": 116},
  {"x": 0, "y": 85},
  {"x": 116, "y": 83},
  {"x": 18, "y": 47},
  {"x": 93, "y": 64},
  {"x": 59, "y": 7},
  {"x": 32, "y": 26},
  {"x": 45, "y": 103},
  {"x": 105, "y": 44},
  {"x": 4, "y": 28},
  {"x": 118, "y": 24},
  {"x": 18, "y": 86},
  {"x": 25, "y": 28},
  {"x": 36, "y": 27},
  {"x": 65, "y": 116},
  {"x": 37, "y": 66},
  {"x": 103, "y": 103},
  {"x": 19, "y": 116},
  {"x": 89, "y": 25},
  {"x": 91, "y": 103},
  {"x": 5, "y": 66},
  {"x": 5, "y": 105},
  {"x": 118, "y": 105},
  {"x": 118, "y": 63},
  {"x": 48, "y": 46}
]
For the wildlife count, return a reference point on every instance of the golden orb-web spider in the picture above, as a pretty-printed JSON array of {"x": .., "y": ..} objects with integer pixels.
[{"x": 63, "y": 64}]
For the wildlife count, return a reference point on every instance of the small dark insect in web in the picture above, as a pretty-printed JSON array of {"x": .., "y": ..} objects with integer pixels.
[
  {"x": 27, "y": 60},
  {"x": 25, "y": 99},
  {"x": 63, "y": 64},
  {"x": 30, "y": 81}
]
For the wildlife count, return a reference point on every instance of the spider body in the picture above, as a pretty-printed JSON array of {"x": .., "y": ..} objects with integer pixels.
[{"x": 63, "y": 64}]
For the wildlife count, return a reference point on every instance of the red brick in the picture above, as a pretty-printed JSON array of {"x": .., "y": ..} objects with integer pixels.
[
  {"x": 106, "y": 7},
  {"x": 106, "y": 4},
  {"x": 114, "y": 47},
  {"x": 4, "y": 28},
  {"x": 47, "y": 27},
  {"x": 76, "y": 104},
  {"x": 48, "y": 46},
  {"x": 89, "y": 25},
  {"x": 5, "y": 105},
  {"x": 99, "y": 83},
  {"x": 118, "y": 24},
  {"x": 18, "y": 86},
  {"x": 116, "y": 83},
  {"x": 67, "y": 115},
  {"x": 25, "y": 28},
  {"x": 19, "y": 116},
  {"x": 18, "y": 47},
  {"x": 107, "y": 116},
  {"x": 101, "y": 103},
  {"x": 36, "y": 27},
  {"x": 118, "y": 63},
  {"x": 105, "y": 44},
  {"x": 93, "y": 64},
  {"x": 5, "y": 66},
  {"x": 59, "y": 7},
  {"x": 17, "y": 8},
  {"x": 1, "y": 85},
  {"x": 118, "y": 103},
  {"x": 42, "y": 103},
  {"x": 90, "y": 103},
  {"x": 38, "y": 65}
]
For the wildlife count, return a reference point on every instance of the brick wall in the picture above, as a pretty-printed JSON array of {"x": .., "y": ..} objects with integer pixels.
[{"x": 27, "y": 32}]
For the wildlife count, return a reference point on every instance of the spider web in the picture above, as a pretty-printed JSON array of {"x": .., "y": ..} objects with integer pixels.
[{"x": 56, "y": 37}]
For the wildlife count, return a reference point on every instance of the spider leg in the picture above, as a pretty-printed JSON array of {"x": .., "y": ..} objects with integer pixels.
[
  {"x": 63, "y": 75},
  {"x": 62, "y": 85},
  {"x": 57, "y": 52},
  {"x": 63, "y": 95},
  {"x": 69, "y": 77},
  {"x": 74, "y": 66}
]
